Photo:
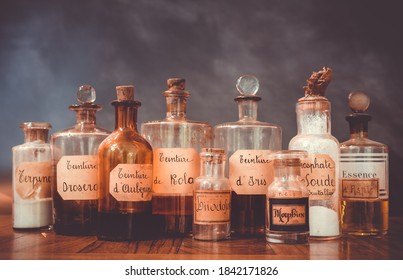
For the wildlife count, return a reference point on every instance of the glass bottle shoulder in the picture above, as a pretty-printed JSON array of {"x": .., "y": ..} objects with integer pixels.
[
  {"x": 212, "y": 183},
  {"x": 247, "y": 124},
  {"x": 125, "y": 140},
  {"x": 81, "y": 130},
  {"x": 180, "y": 122},
  {"x": 287, "y": 189},
  {"x": 362, "y": 145}
]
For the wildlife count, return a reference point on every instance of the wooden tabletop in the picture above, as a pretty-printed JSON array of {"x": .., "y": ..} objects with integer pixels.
[{"x": 48, "y": 245}]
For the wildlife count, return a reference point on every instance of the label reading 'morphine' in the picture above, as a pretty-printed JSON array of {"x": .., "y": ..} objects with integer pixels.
[{"x": 288, "y": 214}]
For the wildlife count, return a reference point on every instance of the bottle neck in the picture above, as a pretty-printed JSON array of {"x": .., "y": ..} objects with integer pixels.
[
  {"x": 358, "y": 125},
  {"x": 126, "y": 114},
  {"x": 32, "y": 134},
  {"x": 247, "y": 110},
  {"x": 313, "y": 117},
  {"x": 176, "y": 106},
  {"x": 287, "y": 173},
  {"x": 213, "y": 168}
]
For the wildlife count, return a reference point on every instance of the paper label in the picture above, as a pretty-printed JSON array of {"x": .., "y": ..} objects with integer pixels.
[
  {"x": 288, "y": 214},
  {"x": 318, "y": 172},
  {"x": 33, "y": 180},
  {"x": 364, "y": 176},
  {"x": 77, "y": 177},
  {"x": 174, "y": 170},
  {"x": 250, "y": 171},
  {"x": 131, "y": 182},
  {"x": 212, "y": 207}
]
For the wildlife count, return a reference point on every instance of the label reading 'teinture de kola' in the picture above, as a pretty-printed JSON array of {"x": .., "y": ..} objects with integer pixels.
[
  {"x": 250, "y": 171},
  {"x": 174, "y": 170}
]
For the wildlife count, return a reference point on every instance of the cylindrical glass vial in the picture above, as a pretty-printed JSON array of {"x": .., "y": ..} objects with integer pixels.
[
  {"x": 212, "y": 198},
  {"x": 248, "y": 144},
  {"x": 75, "y": 168},
  {"x": 320, "y": 170},
  {"x": 176, "y": 143},
  {"x": 363, "y": 175},
  {"x": 287, "y": 213},
  {"x": 32, "y": 175},
  {"x": 125, "y": 176}
]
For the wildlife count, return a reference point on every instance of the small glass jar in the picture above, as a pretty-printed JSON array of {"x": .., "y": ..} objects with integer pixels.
[
  {"x": 212, "y": 198},
  {"x": 32, "y": 176},
  {"x": 287, "y": 213}
]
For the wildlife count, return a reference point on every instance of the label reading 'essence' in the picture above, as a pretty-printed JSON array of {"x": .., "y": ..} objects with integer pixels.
[
  {"x": 250, "y": 171},
  {"x": 174, "y": 170},
  {"x": 288, "y": 214},
  {"x": 318, "y": 172},
  {"x": 77, "y": 177},
  {"x": 33, "y": 180},
  {"x": 131, "y": 182},
  {"x": 212, "y": 207},
  {"x": 363, "y": 176}
]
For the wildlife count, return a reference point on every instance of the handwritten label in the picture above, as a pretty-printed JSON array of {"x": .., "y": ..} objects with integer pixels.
[
  {"x": 318, "y": 172},
  {"x": 77, "y": 177},
  {"x": 356, "y": 188},
  {"x": 212, "y": 207},
  {"x": 174, "y": 170},
  {"x": 250, "y": 171},
  {"x": 131, "y": 182},
  {"x": 33, "y": 180},
  {"x": 288, "y": 214}
]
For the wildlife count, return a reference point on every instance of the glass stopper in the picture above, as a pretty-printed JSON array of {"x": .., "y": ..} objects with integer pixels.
[
  {"x": 247, "y": 85},
  {"x": 358, "y": 101},
  {"x": 86, "y": 94}
]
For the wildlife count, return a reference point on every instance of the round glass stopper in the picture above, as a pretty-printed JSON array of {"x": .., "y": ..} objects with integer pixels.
[
  {"x": 358, "y": 101},
  {"x": 247, "y": 85},
  {"x": 86, "y": 94}
]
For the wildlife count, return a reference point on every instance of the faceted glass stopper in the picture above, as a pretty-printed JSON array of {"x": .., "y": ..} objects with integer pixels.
[
  {"x": 247, "y": 85},
  {"x": 358, "y": 101},
  {"x": 86, "y": 94}
]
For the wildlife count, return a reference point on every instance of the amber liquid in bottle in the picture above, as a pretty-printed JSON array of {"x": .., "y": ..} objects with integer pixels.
[{"x": 125, "y": 172}]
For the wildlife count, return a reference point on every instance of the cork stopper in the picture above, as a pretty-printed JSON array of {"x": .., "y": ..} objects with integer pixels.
[
  {"x": 288, "y": 158},
  {"x": 176, "y": 84},
  {"x": 125, "y": 93},
  {"x": 358, "y": 101}
]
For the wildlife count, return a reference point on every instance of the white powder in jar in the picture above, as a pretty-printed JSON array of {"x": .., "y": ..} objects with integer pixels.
[{"x": 323, "y": 222}]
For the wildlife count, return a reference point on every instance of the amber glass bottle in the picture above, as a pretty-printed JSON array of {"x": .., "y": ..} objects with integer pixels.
[{"x": 125, "y": 176}]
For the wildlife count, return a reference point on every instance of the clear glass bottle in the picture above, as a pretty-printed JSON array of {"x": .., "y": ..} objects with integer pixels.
[
  {"x": 176, "y": 143},
  {"x": 319, "y": 171},
  {"x": 247, "y": 144},
  {"x": 32, "y": 176},
  {"x": 212, "y": 198},
  {"x": 125, "y": 172},
  {"x": 363, "y": 175},
  {"x": 287, "y": 210},
  {"x": 75, "y": 168}
]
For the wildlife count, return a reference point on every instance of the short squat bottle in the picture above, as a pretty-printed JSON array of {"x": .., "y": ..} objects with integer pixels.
[
  {"x": 75, "y": 168},
  {"x": 363, "y": 175},
  {"x": 32, "y": 175},
  {"x": 176, "y": 143},
  {"x": 287, "y": 200},
  {"x": 125, "y": 176},
  {"x": 212, "y": 198},
  {"x": 248, "y": 144},
  {"x": 320, "y": 170}
]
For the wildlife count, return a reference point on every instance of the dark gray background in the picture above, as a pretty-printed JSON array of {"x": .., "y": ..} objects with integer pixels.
[{"x": 49, "y": 48}]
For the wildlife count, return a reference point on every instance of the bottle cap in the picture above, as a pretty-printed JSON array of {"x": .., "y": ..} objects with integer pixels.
[
  {"x": 247, "y": 86},
  {"x": 125, "y": 93}
]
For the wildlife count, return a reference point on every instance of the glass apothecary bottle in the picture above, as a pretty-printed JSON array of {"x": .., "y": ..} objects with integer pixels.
[
  {"x": 212, "y": 198},
  {"x": 176, "y": 143},
  {"x": 320, "y": 170},
  {"x": 364, "y": 175},
  {"x": 75, "y": 168},
  {"x": 287, "y": 200},
  {"x": 248, "y": 144},
  {"x": 32, "y": 176},
  {"x": 125, "y": 173}
]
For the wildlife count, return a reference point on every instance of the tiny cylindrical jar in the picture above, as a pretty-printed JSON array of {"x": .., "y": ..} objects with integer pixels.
[
  {"x": 212, "y": 198},
  {"x": 32, "y": 176},
  {"x": 287, "y": 201}
]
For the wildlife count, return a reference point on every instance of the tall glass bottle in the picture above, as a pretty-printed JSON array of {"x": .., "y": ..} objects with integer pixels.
[
  {"x": 247, "y": 144},
  {"x": 287, "y": 200},
  {"x": 32, "y": 174},
  {"x": 125, "y": 173},
  {"x": 176, "y": 143},
  {"x": 212, "y": 198},
  {"x": 320, "y": 170},
  {"x": 363, "y": 175},
  {"x": 75, "y": 168}
]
